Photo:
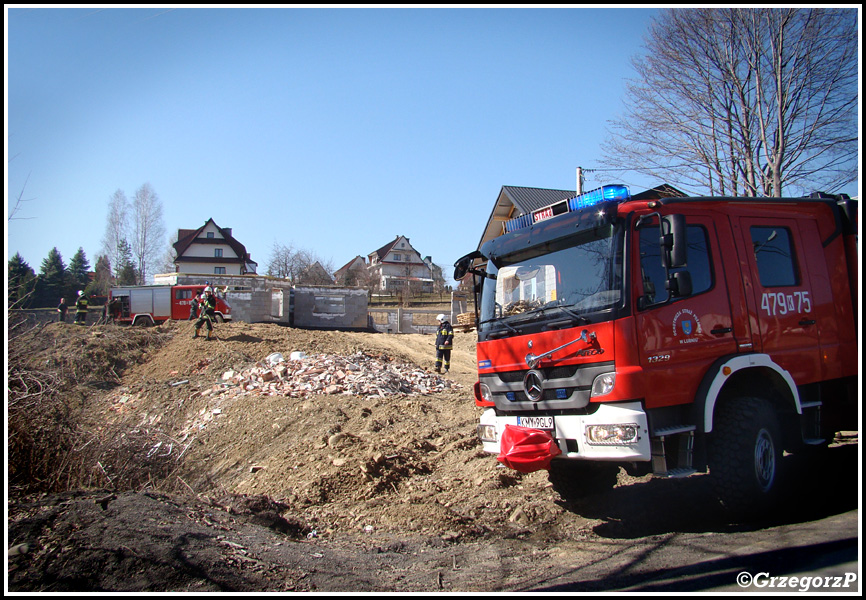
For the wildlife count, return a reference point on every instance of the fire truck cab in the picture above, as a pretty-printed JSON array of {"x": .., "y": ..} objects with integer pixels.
[{"x": 680, "y": 333}]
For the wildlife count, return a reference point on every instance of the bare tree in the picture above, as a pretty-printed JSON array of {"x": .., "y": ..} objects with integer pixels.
[
  {"x": 742, "y": 101},
  {"x": 148, "y": 230},
  {"x": 116, "y": 228},
  {"x": 279, "y": 264},
  {"x": 291, "y": 263},
  {"x": 168, "y": 257}
]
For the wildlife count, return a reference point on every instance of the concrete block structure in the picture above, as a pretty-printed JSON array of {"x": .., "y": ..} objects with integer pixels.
[{"x": 262, "y": 299}]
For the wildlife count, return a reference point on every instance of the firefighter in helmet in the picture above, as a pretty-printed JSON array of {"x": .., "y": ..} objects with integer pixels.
[
  {"x": 207, "y": 312},
  {"x": 444, "y": 343},
  {"x": 81, "y": 309}
]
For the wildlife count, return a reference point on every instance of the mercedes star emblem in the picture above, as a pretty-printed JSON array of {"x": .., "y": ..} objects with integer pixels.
[{"x": 532, "y": 383}]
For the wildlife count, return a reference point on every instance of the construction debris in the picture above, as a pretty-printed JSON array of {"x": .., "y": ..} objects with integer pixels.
[{"x": 359, "y": 374}]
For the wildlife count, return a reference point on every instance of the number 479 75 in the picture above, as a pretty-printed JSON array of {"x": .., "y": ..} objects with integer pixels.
[{"x": 782, "y": 304}]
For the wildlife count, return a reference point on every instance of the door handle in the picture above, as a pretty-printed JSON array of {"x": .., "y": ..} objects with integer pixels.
[
  {"x": 721, "y": 330},
  {"x": 807, "y": 322}
]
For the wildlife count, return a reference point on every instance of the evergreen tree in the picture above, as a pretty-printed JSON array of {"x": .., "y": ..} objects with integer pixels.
[
  {"x": 51, "y": 285},
  {"x": 77, "y": 273},
  {"x": 126, "y": 272},
  {"x": 22, "y": 282},
  {"x": 101, "y": 283}
]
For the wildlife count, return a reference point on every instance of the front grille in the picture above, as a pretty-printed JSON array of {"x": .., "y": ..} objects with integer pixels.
[{"x": 566, "y": 372}]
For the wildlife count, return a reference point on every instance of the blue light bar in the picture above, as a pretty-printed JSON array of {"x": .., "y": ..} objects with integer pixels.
[
  {"x": 615, "y": 193},
  {"x": 608, "y": 193}
]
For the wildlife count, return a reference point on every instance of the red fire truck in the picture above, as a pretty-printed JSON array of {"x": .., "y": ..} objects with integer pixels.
[
  {"x": 680, "y": 334},
  {"x": 154, "y": 304}
]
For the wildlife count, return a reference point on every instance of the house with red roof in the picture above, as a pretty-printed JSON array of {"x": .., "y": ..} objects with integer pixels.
[{"x": 211, "y": 250}]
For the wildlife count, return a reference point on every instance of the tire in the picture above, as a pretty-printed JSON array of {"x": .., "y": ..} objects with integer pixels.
[
  {"x": 745, "y": 456},
  {"x": 219, "y": 319}
]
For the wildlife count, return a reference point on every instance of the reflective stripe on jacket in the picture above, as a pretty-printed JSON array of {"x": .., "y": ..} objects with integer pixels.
[{"x": 445, "y": 336}]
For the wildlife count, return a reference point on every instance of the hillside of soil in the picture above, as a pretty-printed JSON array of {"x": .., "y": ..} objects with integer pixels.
[{"x": 274, "y": 459}]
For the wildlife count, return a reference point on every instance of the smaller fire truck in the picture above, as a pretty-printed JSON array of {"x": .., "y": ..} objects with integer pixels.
[
  {"x": 148, "y": 305},
  {"x": 682, "y": 334}
]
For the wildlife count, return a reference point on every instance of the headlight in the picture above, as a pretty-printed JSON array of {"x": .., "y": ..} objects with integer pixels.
[
  {"x": 482, "y": 395},
  {"x": 603, "y": 384},
  {"x": 487, "y": 433},
  {"x": 612, "y": 434}
]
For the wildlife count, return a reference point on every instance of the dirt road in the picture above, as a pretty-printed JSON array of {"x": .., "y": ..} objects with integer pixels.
[{"x": 182, "y": 477}]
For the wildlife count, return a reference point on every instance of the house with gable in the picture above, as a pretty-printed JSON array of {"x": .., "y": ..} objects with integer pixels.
[
  {"x": 353, "y": 273},
  {"x": 398, "y": 266},
  {"x": 211, "y": 250},
  {"x": 315, "y": 274}
]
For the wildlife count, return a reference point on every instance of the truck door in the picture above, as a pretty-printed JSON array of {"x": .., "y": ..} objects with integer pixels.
[
  {"x": 680, "y": 337},
  {"x": 785, "y": 301}
]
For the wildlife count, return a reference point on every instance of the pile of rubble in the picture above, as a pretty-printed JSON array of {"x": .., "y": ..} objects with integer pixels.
[{"x": 359, "y": 374}]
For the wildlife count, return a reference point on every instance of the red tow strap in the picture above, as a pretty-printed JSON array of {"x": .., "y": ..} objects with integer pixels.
[{"x": 527, "y": 450}]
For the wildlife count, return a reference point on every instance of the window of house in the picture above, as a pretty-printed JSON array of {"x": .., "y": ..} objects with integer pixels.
[
  {"x": 210, "y": 235},
  {"x": 774, "y": 255},
  {"x": 219, "y": 270},
  {"x": 218, "y": 252},
  {"x": 398, "y": 257}
]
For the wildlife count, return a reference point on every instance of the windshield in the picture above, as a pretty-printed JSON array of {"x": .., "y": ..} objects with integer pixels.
[{"x": 577, "y": 277}]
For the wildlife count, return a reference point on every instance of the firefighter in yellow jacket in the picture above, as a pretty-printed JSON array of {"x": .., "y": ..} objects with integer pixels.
[
  {"x": 207, "y": 312},
  {"x": 444, "y": 343},
  {"x": 81, "y": 309}
]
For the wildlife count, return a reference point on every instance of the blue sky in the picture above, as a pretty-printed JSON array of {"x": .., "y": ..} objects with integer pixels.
[{"x": 332, "y": 130}]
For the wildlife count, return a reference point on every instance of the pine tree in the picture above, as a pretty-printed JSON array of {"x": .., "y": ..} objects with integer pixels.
[
  {"x": 101, "y": 283},
  {"x": 126, "y": 272},
  {"x": 77, "y": 273},
  {"x": 22, "y": 282},
  {"x": 51, "y": 285}
]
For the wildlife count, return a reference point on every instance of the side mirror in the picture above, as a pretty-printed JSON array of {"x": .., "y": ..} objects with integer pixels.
[
  {"x": 673, "y": 241},
  {"x": 462, "y": 266},
  {"x": 680, "y": 284}
]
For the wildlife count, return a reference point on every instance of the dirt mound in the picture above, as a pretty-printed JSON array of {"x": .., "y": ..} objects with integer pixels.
[
  {"x": 138, "y": 463},
  {"x": 160, "y": 412}
]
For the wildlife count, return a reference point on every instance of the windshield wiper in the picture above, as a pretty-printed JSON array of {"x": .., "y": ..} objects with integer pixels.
[
  {"x": 549, "y": 305},
  {"x": 500, "y": 321}
]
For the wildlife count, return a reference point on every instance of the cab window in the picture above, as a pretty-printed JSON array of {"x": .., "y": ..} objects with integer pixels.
[
  {"x": 653, "y": 273},
  {"x": 774, "y": 255}
]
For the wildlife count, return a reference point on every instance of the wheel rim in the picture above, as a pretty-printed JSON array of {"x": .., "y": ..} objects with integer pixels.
[{"x": 765, "y": 460}]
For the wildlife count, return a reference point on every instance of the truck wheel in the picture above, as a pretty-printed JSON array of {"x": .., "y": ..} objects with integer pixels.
[
  {"x": 576, "y": 479},
  {"x": 219, "y": 319},
  {"x": 745, "y": 456}
]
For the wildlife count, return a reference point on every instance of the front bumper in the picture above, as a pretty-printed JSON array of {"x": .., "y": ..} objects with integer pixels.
[{"x": 571, "y": 437}]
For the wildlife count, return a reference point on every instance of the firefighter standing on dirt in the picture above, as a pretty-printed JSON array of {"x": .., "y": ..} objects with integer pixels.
[
  {"x": 444, "y": 343},
  {"x": 62, "y": 310},
  {"x": 208, "y": 312},
  {"x": 81, "y": 309}
]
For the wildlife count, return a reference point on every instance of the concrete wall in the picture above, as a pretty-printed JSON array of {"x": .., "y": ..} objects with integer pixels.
[
  {"x": 329, "y": 307},
  {"x": 41, "y": 316},
  {"x": 262, "y": 299}
]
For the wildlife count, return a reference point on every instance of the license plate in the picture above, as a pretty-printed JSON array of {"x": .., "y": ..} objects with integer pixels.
[{"x": 535, "y": 422}]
